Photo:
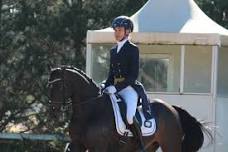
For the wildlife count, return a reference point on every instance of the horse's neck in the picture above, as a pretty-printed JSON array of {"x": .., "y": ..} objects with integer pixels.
[
  {"x": 92, "y": 108},
  {"x": 84, "y": 85},
  {"x": 89, "y": 94}
]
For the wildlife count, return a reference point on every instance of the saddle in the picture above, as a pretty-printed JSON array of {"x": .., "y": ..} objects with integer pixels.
[{"x": 148, "y": 127}]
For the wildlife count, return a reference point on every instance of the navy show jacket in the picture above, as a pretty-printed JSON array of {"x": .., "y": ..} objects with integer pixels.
[{"x": 124, "y": 64}]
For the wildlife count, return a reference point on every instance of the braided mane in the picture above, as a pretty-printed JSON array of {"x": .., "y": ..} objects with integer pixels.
[{"x": 89, "y": 79}]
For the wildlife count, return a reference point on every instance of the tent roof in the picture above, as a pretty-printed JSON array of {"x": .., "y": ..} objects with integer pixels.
[
  {"x": 176, "y": 16},
  {"x": 182, "y": 17}
]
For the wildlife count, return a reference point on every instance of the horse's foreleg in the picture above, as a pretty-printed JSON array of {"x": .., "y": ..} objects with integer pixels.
[{"x": 74, "y": 147}]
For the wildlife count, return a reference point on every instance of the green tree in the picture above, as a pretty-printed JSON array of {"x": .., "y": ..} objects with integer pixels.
[
  {"x": 216, "y": 10},
  {"x": 37, "y": 34}
]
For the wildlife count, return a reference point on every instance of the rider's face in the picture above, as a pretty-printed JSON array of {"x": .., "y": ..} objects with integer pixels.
[{"x": 120, "y": 33}]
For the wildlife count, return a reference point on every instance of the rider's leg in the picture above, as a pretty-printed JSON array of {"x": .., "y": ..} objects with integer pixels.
[
  {"x": 136, "y": 130},
  {"x": 131, "y": 98}
]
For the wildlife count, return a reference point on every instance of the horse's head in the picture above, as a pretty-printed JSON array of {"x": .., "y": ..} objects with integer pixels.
[
  {"x": 59, "y": 89},
  {"x": 68, "y": 84}
]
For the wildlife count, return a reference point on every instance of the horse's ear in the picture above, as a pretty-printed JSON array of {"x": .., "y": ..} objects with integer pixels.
[{"x": 50, "y": 67}]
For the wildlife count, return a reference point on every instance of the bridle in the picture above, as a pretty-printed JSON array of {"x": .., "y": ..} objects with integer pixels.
[{"x": 67, "y": 101}]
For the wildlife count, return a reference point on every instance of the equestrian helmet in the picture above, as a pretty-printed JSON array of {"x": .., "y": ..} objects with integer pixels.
[{"x": 123, "y": 21}]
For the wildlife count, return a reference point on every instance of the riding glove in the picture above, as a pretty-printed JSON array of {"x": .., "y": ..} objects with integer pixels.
[{"x": 110, "y": 89}]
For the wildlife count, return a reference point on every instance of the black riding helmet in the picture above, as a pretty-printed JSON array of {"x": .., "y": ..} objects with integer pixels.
[{"x": 123, "y": 21}]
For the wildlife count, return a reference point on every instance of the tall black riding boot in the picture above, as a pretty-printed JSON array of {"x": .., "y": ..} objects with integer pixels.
[{"x": 136, "y": 131}]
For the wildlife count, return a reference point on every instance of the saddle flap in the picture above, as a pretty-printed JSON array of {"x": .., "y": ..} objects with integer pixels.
[{"x": 148, "y": 127}]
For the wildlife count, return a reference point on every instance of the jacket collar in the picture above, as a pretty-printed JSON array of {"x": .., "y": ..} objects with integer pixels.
[{"x": 120, "y": 45}]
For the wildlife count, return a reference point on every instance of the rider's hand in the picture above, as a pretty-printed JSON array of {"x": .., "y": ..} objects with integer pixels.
[
  {"x": 102, "y": 86},
  {"x": 110, "y": 89}
]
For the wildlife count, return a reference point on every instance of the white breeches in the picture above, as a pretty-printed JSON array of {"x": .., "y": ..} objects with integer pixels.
[{"x": 130, "y": 96}]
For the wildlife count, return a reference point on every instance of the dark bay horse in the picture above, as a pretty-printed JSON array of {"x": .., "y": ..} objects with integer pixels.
[{"x": 92, "y": 126}]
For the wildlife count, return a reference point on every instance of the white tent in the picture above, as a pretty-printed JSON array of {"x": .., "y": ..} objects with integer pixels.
[{"x": 176, "y": 22}]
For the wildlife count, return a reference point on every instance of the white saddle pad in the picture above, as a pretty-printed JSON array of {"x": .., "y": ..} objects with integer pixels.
[{"x": 147, "y": 130}]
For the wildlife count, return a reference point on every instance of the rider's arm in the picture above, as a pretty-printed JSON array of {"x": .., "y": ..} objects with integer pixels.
[{"x": 110, "y": 79}]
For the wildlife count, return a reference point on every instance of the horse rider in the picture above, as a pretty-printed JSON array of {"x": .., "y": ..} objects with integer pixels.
[{"x": 123, "y": 72}]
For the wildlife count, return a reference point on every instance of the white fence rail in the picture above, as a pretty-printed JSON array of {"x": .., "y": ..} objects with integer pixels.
[{"x": 37, "y": 137}]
